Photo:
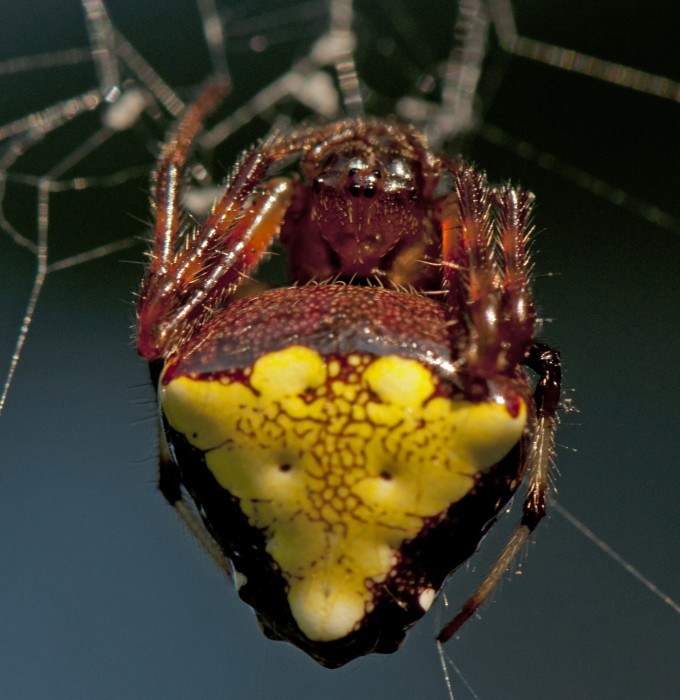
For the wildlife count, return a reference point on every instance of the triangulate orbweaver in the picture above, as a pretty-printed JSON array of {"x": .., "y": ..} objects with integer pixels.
[{"x": 347, "y": 440}]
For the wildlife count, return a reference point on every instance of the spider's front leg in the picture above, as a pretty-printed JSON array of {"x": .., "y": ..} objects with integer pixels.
[
  {"x": 486, "y": 274},
  {"x": 491, "y": 322},
  {"x": 193, "y": 271}
]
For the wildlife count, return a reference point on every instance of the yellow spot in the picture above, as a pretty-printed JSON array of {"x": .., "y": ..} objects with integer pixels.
[
  {"x": 397, "y": 380},
  {"x": 366, "y": 464},
  {"x": 288, "y": 372}
]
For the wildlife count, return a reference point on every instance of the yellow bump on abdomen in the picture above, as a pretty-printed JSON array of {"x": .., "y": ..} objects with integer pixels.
[
  {"x": 399, "y": 382},
  {"x": 288, "y": 372},
  {"x": 345, "y": 466}
]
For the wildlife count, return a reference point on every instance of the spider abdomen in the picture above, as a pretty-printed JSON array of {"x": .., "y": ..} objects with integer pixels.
[{"x": 338, "y": 461}]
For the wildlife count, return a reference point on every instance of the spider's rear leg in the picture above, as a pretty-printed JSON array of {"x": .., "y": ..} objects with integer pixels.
[
  {"x": 170, "y": 485},
  {"x": 545, "y": 361},
  {"x": 492, "y": 318}
]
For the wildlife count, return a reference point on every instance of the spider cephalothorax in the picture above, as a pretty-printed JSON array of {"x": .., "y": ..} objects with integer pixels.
[
  {"x": 347, "y": 443},
  {"x": 363, "y": 205}
]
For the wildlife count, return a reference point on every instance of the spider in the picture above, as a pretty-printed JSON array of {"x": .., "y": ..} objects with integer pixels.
[{"x": 342, "y": 444}]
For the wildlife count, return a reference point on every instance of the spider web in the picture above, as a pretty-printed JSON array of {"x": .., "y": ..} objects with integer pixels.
[{"x": 103, "y": 588}]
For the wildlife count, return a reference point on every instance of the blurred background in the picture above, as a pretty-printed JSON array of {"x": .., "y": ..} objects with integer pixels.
[{"x": 102, "y": 593}]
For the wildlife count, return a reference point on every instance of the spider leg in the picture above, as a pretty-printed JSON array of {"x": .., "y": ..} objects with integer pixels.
[
  {"x": 471, "y": 275},
  {"x": 167, "y": 184},
  {"x": 545, "y": 361},
  {"x": 486, "y": 274},
  {"x": 169, "y": 484},
  {"x": 193, "y": 271},
  {"x": 517, "y": 307}
]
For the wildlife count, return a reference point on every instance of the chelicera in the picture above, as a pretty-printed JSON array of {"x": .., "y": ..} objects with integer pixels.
[{"x": 343, "y": 443}]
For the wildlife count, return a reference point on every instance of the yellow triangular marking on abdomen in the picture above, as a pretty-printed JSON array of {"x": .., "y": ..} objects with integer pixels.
[{"x": 338, "y": 465}]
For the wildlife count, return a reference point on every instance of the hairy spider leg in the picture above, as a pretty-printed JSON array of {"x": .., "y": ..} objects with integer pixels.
[
  {"x": 486, "y": 274},
  {"x": 545, "y": 361},
  {"x": 193, "y": 271},
  {"x": 167, "y": 185},
  {"x": 153, "y": 308},
  {"x": 169, "y": 485},
  {"x": 517, "y": 306}
]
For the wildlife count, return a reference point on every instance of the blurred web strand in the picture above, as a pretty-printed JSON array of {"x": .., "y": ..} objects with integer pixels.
[
  {"x": 461, "y": 75},
  {"x": 576, "y": 61},
  {"x": 107, "y": 49},
  {"x": 582, "y": 179},
  {"x": 340, "y": 32},
  {"x": 25, "y": 133},
  {"x": 145, "y": 73},
  {"x": 456, "y": 114},
  {"x": 215, "y": 40},
  {"x": 580, "y": 63},
  {"x": 101, "y": 34},
  {"x": 305, "y": 80},
  {"x": 41, "y": 272},
  {"x": 70, "y": 57},
  {"x": 615, "y": 556},
  {"x": 445, "y": 660}
]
